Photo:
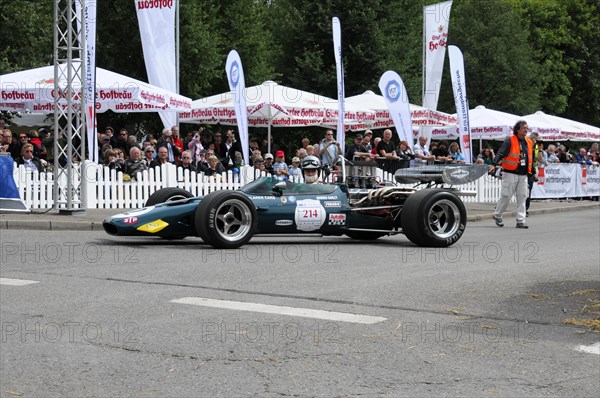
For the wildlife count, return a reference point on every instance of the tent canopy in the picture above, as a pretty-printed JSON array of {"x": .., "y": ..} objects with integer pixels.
[
  {"x": 491, "y": 124},
  {"x": 420, "y": 116},
  {"x": 569, "y": 129},
  {"x": 33, "y": 90},
  {"x": 271, "y": 104}
]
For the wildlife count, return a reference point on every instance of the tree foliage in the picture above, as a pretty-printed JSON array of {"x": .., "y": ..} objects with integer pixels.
[{"x": 520, "y": 55}]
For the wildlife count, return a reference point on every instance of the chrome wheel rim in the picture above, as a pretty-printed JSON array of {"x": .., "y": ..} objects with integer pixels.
[
  {"x": 233, "y": 220},
  {"x": 443, "y": 219}
]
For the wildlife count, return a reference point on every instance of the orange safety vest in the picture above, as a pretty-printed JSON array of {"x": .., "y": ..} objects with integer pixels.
[{"x": 511, "y": 161}]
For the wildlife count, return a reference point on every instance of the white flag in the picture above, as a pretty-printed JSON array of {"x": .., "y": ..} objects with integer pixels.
[
  {"x": 337, "y": 49},
  {"x": 394, "y": 92},
  {"x": 89, "y": 90},
  {"x": 435, "y": 22},
  {"x": 237, "y": 84},
  {"x": 459, "y": 87},
  {"x": 157, "y": 29}
]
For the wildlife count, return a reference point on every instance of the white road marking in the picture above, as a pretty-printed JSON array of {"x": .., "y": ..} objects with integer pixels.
[
  {"x": 280, "y": 310},
  {"x": 16, "y": 282},
  {"x": 590, "y": 349}
]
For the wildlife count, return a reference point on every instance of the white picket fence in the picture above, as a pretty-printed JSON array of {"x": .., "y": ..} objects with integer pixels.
[{"x": 107, "y": 190}]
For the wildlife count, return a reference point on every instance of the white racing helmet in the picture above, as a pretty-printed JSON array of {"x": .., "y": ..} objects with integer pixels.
[{"x": 311, "y": 163}]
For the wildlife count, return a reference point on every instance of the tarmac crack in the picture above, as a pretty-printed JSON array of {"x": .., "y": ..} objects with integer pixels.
[{"x": 184, "y": 356}]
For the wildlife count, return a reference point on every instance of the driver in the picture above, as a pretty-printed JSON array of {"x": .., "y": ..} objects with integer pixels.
[{"x": 311, "y": 169}]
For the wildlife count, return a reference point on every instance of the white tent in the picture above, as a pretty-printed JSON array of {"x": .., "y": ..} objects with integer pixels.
[
  {"x": 270, "y": 104},
  {"x": 491, "y": 124},
  {"x": 420, "y": 116},
  {"x": 569, "y": 129},
  {"x": 33, "y": 91}
]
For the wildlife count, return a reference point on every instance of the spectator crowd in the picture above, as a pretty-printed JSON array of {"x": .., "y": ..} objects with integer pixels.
[{"x": 216, "y": 151}]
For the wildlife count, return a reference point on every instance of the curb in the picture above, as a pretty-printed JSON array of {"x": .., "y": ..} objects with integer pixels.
[
  {"x": 489, "y": 216},
  {"x": 46, "y": 225}
]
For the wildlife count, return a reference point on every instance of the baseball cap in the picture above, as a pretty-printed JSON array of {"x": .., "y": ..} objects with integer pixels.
[
  {"x": 105, "y": 138},
  {"x": 359, "y": 136},
  {"x": 269, "y": 156},
  {"x": 279, "y": 153},
  {"x": 295, "y": 159},
  {"x": 368, "y": 132}
]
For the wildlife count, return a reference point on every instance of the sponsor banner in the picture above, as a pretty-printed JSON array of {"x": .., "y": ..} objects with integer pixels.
[
  {"x": 89, "y": 57},
  {"x": 435, "y": 20},
  {"x": 396, "y": 98},
  {"x": 156, "y": 19},
  {"x": 237, "y": 84},
  {"x": 459, "y": 87},
  {"x": 14, "y": 106},
  {"x": 490, "y": 133},
  {"x": 566, "y": 180},
  {"x": 127, "y": 100},
  {"x": 339, "y": 66},
  {"x": 294, "y": 117},
  {"x": 582, "y": 135}
]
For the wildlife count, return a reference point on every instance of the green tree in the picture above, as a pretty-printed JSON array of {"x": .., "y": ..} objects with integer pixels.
[
  {"x": 500, "y": 65},
  {"x": 201, "y": 63},
  {"x": 27, "y": 38},
  {"x": 548, "y": 21},
  {"x": 583, "y": 57},
  {"x": 377, "y": 35}
]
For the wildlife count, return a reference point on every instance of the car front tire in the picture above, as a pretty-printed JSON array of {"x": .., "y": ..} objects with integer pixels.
[{"x": 226, "y": 219}]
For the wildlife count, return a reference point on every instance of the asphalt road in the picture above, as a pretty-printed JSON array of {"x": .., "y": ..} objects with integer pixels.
[{"x": 483, "y": 318}]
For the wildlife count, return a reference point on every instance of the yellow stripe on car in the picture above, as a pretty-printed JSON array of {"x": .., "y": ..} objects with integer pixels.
[{"x": 153, "y": 226}]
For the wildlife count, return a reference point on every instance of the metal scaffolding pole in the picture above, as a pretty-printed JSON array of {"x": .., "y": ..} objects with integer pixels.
[{"x": 69, "y": 112}]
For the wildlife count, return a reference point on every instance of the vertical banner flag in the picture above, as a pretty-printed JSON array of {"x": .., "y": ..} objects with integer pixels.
[
  {"x": 435, "y": 28},
  {"x": 89, "y": 58},
  {"x": 392, "y": 88},
  {"x": 337, "y": 50},
  {"x": 237, "y": 84},
  {"x": 459, "y": 87},
  {"x": 157, "y": 29}
]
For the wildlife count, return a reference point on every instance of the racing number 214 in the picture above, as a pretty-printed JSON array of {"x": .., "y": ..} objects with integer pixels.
[{"x": 311, "y": 213}]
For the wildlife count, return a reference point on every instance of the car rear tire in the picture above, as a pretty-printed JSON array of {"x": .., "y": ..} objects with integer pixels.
[
  {"x": 226, "y": 219},
  {"x": 364, "y": 235},
  {"x": 433, "y": 218},
  {"x": 167, "y": 195}
]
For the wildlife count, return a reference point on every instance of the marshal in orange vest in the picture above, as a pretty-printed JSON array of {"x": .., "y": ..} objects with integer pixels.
[{"x": 511, "y": 161}]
